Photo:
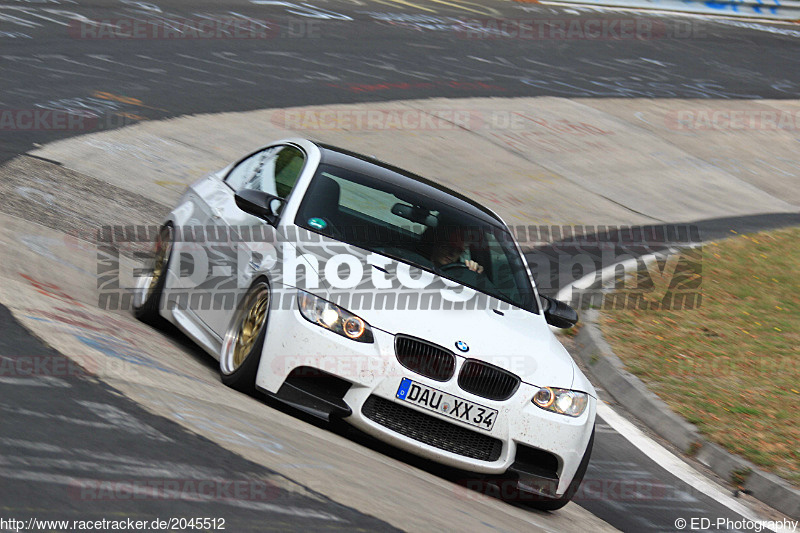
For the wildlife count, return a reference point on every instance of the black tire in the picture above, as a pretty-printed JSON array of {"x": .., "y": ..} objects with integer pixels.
[
  {"x": 239, "y": 359},
  {"x": 558, "y": 503},
  {"x": 152, "y": 287}
]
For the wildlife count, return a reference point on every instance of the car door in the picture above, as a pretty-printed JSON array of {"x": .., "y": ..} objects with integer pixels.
[{"x": 238, "y": 244}]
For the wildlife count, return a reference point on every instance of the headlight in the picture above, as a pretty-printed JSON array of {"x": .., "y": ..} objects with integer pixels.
[
  {"x": 561, "y": 401},
  {"x": 331, "y": 316}
]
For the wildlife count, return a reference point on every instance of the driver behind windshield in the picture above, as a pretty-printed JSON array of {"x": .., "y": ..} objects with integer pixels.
[{"x": 446, "y": 247}]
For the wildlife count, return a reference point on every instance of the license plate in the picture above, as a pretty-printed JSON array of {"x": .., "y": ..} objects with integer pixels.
[{"x": 446, "y": 404}]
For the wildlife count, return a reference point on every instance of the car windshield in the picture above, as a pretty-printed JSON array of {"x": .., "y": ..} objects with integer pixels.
[{"x": 419, "y": 225}]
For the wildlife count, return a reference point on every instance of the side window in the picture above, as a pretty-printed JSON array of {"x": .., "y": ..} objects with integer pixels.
[
  {"x": 243, "y": 174},
  {"x": 288, "y": 166},
  {"x": 274, "y": 170}
]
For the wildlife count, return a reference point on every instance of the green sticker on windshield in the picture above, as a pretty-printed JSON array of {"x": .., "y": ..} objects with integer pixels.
[{"x": 317, "y": 223}]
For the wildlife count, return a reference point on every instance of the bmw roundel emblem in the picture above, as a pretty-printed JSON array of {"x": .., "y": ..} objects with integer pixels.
[{"x": 462, "y": 346}]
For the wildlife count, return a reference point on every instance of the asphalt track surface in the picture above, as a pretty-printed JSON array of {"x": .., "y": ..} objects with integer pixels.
[
  {"x": 402, "y": 50},
  {"x": 98, "y": 461},
  {"x": 341, "y": 51}
]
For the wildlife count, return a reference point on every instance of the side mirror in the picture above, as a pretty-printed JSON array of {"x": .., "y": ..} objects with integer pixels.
[
  {"x": 558, "y": 313},
  {"x": 259, "y": 204}
]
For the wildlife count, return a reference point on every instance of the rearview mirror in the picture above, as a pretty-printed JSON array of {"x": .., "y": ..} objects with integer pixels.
[
  {"x": 558, "y": 313},
  {"x": 259, "y": 204},
  {"x": 420, "y": 215}
]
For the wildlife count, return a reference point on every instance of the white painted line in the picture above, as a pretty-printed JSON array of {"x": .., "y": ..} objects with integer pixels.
[
  {"x": 565, "y": 293},
  {"x": 669, "y": 462},
  {"x": 607, "y": 274}
]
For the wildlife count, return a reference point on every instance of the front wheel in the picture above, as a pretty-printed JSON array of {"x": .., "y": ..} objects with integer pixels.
[
  {"x": 150, "y": 287},
  {"x": 244, "y": 339}
]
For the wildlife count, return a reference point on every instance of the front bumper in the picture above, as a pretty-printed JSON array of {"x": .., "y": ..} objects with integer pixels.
[{"x": 374, "y": 374}]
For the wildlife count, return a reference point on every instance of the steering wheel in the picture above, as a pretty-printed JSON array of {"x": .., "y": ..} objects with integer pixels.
[{"x": 453, "y": 266}]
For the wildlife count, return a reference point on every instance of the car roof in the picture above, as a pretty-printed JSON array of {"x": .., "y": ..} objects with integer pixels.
[{"x": 370, "y": 166}]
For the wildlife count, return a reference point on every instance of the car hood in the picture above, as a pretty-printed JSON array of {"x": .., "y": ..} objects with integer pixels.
[{"x": 494, "y": 331}]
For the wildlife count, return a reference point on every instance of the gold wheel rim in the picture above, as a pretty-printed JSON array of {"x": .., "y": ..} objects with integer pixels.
[{"x": 250, "y": 326}]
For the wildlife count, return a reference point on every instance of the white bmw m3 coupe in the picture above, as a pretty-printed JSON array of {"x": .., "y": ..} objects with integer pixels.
[{"x": 349, "y": 288}]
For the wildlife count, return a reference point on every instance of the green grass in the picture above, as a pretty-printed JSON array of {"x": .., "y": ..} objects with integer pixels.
[{"x": 732, "y": 365}]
